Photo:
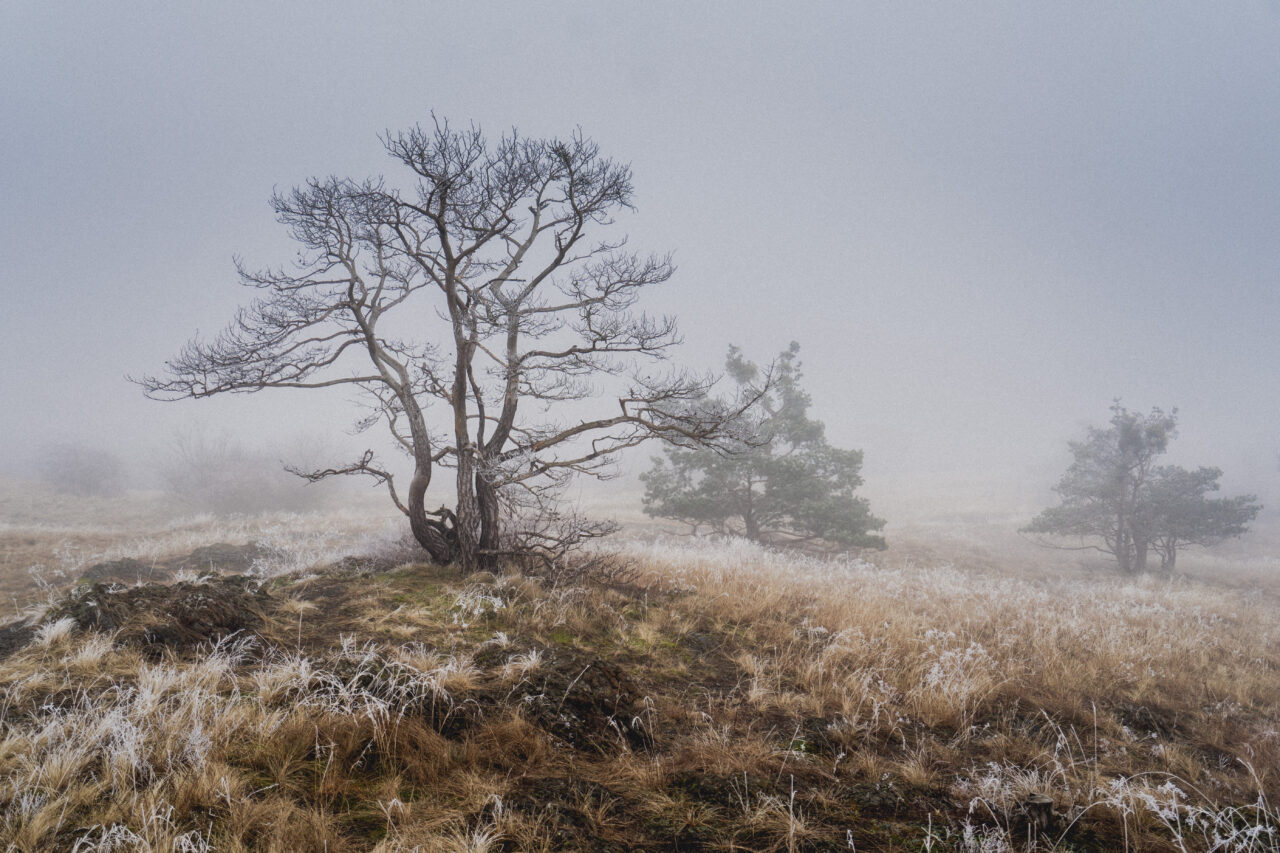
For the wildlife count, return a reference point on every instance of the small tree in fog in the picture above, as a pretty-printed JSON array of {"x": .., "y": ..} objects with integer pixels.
[
  {"x": 1103, "y": 490},
  {"x": 783, "y": 483},
  {"x": 472, "y": 310},
  {"x": 81, "y": 471},
  {"x": 1115, "y": 494}
]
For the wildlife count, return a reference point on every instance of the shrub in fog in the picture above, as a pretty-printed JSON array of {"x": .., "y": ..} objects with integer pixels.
[
  {"x": 783, "y": 482},
  {"x": 1117, "y": 500},
  {"x": 75, "y": 469},
  {"x": 218, "y": 474}
]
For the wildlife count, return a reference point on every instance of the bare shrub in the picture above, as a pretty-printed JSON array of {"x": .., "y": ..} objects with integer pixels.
[
  {"x": 220, "y": 475},
  {"x": 76, "y": 469}
]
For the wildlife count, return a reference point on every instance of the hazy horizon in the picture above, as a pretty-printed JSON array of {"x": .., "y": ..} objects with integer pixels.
[{"x": 982, "y": 224}]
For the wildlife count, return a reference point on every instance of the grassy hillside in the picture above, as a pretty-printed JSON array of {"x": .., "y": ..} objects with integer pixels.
[{"x": 710, "y": 696}]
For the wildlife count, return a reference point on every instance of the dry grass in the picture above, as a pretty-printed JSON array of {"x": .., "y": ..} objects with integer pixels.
[
  {"x": 48, "y": 540},
  {"x": 1142, "y": 702},
  {"x": 735, "y": 699}
]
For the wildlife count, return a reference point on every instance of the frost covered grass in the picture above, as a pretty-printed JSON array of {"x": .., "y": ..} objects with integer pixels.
[
  {"x": 1147, "y": 707},
  {"x": 731, "y": 697},
  {"x": 260, "y": 742},
  {"x": 38, "y": 561}
]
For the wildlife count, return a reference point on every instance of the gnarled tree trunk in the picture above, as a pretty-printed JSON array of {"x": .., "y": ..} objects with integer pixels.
[
  {"x": 433, "y": 536},
  {"x": 468, "y": 510},
  {"x": 490, "y": 512}
]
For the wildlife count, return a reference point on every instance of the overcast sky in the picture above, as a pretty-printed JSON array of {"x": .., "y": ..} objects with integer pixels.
[{"x": 982, "y": 222}]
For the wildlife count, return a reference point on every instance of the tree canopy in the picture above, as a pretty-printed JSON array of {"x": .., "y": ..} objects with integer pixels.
[{"x": 781, "y": 482}]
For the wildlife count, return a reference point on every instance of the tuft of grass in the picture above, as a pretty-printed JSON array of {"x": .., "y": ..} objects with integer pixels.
[{"x": 54, "y": 633}]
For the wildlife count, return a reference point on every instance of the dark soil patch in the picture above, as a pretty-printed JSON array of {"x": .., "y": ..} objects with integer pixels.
[
  {"x": 557, "y": 801},
  {"x": 181, "y": 616},
  {"x": 589, "y": 703},
  {"x": 14, "y": 637},
  {"x": 1150, "y": 718},
  {"x": 330, "y": 593}
]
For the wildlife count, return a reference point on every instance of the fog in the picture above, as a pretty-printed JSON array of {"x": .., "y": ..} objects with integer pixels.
[{"x": 982, "y": 224}]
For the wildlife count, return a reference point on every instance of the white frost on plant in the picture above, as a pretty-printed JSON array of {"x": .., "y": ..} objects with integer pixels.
[{"x": 51, "y": 633}]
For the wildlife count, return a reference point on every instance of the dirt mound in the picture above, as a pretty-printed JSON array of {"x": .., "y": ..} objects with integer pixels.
[
  {"x": 223, "y": 557},
  {"x": 584, "y": 701},
  {"x": 365, "y": 565},
  {"x": 127, "y": 570},
  {"x": 180, "y": 616}
]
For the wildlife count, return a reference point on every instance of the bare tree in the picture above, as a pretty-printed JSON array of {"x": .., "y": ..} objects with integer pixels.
[{"x": 472, "y": 311}]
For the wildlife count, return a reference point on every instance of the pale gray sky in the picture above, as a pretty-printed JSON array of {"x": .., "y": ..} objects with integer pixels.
[{"x": 981, "y": 221}]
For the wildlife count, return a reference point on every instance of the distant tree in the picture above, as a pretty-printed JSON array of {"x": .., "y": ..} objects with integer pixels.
[
  {"x": 1115, "y": 494},
  {"x": 783, "y": 482},
  {"x": 470, "y": 311},
  {"x": 1102, "y": 491},
  {"x": 82, "y": 471}
]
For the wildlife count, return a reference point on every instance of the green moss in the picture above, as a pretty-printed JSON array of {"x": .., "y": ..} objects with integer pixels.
[{"x": 563, "y": 637}]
